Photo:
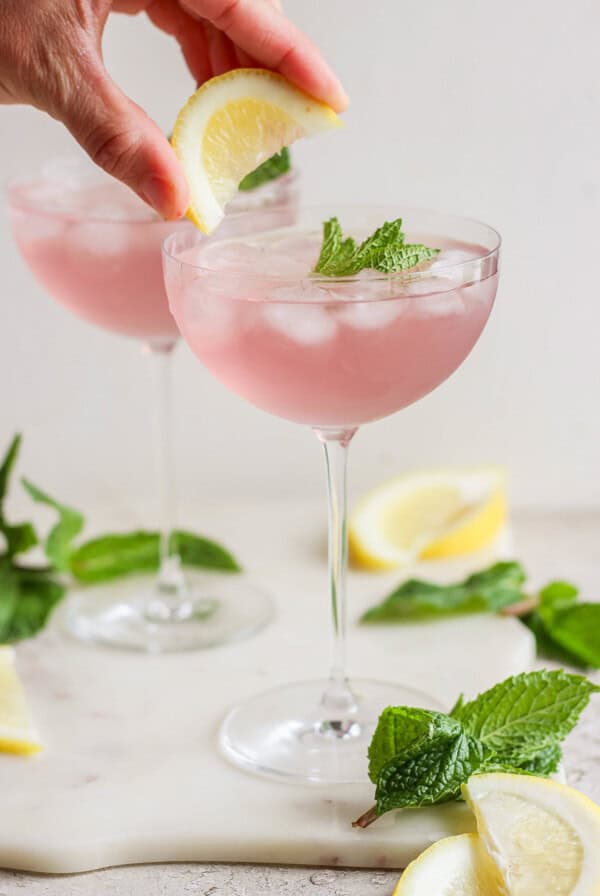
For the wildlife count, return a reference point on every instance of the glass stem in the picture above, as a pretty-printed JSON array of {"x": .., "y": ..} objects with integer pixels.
[
  {"x": 170, "y": 603},
  {"x": 338, "y": 699}
]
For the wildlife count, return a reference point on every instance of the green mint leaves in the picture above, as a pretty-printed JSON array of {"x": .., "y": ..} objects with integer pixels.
[
  {"x": 59, "y": 539},
  {"x": 112, "y": 556},
  {"x": 491, "y": 590},
  {"x": 274, "y": 167},
  {"x": 384, "y": 251},
  {"x": 565, "y": 629},
  {"x": 29, "y": 593},
  {"x": 420, "y": 758}
]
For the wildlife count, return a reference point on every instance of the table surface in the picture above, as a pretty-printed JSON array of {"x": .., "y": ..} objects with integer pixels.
[{"x": 557, "y": 545}]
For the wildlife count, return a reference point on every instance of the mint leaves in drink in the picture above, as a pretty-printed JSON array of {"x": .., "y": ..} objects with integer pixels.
[
  {"x": 489, "y": 590},
  {"x": 29, "y": 592},
  {"x": 421, "y": 758},
  {"x": 278, "y": 164},
  {"x": 385, "y": 251}
]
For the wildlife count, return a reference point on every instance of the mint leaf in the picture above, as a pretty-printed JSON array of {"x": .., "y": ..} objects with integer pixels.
[
  {"x": 384, "y": 251},
  {"x": 575, "y": 630},
  {"x": 546, "y": 646},
  {"x": 202, "y": 552},
  {"x": 59, "y": 540},
  {"x": 111, "y": 556},
  {"x": 336, "y": 252},
  {"x": 19, "y": 537},
  {"x": 402, "y": 727},
  {"x": 527, "y": 714},
  {"x": 490, "y": 590},
  {"x": 434, "y": 775},
  {"x": 278, "y": 164},
  {"x": 558, "y": 595},
  {"x": 27, "y": 598},
  {"x": 544, "y": 763}
]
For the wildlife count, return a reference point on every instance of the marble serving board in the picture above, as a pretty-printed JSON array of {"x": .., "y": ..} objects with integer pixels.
[{"x": 132, "y": 772}]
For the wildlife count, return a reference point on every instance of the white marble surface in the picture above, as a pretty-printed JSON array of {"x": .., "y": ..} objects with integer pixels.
[{"x": 551, "y": 546}]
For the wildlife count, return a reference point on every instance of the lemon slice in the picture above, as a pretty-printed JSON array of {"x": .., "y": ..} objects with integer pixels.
[
  {"x": 455, "y": 866},
  {"x": 17, "y": 732},
  {"x": 431, "y": 515},
  {"x": 233, "y": 123},
  {"x": 543, "y": 836}
]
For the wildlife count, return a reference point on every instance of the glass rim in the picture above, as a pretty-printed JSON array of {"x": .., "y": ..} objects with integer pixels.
[
  {"x": 406, "y": 276},
  {"x": 47, "y": 209}
]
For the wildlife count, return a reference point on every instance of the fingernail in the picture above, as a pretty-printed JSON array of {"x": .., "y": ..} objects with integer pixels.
[{"x": 158, "y": 193}]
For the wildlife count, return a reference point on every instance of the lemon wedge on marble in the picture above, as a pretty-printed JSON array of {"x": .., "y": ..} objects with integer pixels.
[
  {"x": 17, "y": 731},
  {"x": 232, "y": 124},
  {"x": 428, "y": 515},
  {"x": 544, "y": 837},
  {"x": 536, "y": 838},
  {"x": 455, "y": 866}
]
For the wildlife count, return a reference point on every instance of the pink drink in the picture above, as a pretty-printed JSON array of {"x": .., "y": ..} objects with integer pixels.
[
  {"x": 328, "y": 353},
  {"x": 95, "y": 247}
]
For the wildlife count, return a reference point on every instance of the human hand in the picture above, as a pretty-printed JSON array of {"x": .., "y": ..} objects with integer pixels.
[{"x": 51, "y": 58}]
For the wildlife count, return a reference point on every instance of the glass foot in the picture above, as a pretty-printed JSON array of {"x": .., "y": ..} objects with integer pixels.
[
  {"x": 132, "y": 615},
  {"x": 289, "y": 733}
]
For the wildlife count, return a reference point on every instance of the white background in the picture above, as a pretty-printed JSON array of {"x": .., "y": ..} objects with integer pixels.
[{"x": 478, "y": 107}]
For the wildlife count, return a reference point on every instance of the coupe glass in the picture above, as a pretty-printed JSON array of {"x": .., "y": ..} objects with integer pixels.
[
  {"x": 95, "y": 247},
  {"x": 331, "y": 354}
]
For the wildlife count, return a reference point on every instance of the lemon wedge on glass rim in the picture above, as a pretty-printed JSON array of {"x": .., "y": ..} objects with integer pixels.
[
  {"x": 428, "y": 515},
  {"x": 232, "y": 124},
  {"x": 536, "y": 838},
  {"x": 17, "y": 731}
]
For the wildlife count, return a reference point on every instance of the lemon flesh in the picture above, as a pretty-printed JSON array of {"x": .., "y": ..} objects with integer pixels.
[
  {"x": 544, "y": 837},
  {"x": 17, "y": 732},
  {"x": 428, "y": 515},
  {"x": 232, "y": 124},
  {"x": 455, "y": 866}
]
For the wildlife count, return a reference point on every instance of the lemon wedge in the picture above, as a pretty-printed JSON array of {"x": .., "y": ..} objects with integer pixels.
[
  {"x": 233, "y": 123},
  {"x": 535, "y": 838},
  {"x": 17, "y": 732},
  {"x": 429, "y": 515},
  {"x": 455, "y": 866},
  {"x": 544, "y": 837}
]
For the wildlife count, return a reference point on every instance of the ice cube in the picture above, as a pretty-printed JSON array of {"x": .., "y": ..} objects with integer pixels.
[
  {"x": 449, "y": 263},
  {"x": 370, "y": 315},
  {"x": 437, "y": 304},
  {"x": 211, "y": 313},
  {"x": 230, "y": 256},
  {"x": 299, "y": 319},
  {"x": 100, "y": 238}
]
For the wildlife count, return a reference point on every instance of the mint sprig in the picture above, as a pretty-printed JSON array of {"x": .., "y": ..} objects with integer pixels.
[
  {"x": 29, "y": 593},
  {"x": 489, "y": 590},
  {"x": 421, "y": 758},
  {"x": 272, "y": 168},
  {"x": 384, "y": 251},
  {"x": 566, "y": 629}
]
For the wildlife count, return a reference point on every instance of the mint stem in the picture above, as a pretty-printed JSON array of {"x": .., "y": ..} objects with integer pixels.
[
  {"x": 522, "y": 607},
  {"x": 366, "y": 818}
]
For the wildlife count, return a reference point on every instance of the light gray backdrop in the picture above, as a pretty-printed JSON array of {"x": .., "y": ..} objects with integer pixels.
[{"x": 484, "y": 108}]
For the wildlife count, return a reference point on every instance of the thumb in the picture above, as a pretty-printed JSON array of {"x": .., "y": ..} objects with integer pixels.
[{"x": 120, "y": 138}]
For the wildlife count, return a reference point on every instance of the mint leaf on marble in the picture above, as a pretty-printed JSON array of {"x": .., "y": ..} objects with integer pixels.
[
  {"x": 274, "y": 167},
  {"x": 566, "y": 630},
  {"x": 58, "y": 543},
  {"x": 420, "y": 758},
  {"x": 528, "y": 713},
  {"x": 384, "y": 251},
  {"x": 489, "y": 590},
  {"x": 114, "y": 555},
  {"x": 402, "y": 727},
  {"x": 19, "y": 537}
]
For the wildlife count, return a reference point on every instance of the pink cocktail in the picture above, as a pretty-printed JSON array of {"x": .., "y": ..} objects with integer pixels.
[
  {"x": 330, "y": 353},
  {"x": 96, "y": 248}
]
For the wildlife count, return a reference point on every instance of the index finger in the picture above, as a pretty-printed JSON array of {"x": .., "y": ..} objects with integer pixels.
[{"x": 262, "y": 31}]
